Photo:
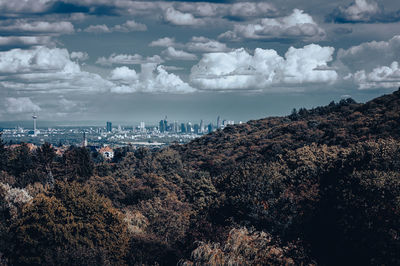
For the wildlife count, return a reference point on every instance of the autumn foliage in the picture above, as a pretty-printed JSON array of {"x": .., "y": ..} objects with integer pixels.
[{"x": 320, "y": 186}]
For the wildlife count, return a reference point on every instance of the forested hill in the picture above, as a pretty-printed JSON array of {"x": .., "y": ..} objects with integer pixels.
[
  {"x": 318, "y": 187},
  {"x": 340, "y": 123}
]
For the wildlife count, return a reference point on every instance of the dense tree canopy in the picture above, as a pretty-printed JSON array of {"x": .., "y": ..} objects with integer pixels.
[{"x": 320, "y": 186}]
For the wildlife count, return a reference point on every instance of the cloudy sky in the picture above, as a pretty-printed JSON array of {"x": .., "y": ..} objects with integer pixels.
[{"x": 128, "y": 61}]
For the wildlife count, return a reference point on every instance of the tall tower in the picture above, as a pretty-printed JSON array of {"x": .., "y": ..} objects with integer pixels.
[
  {"x": 35, "y": 132},
  {"x": 84, "y": 143}
]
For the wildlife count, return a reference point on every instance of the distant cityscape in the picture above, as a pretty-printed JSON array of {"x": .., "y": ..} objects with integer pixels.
[{"x": 111, "y": 135}]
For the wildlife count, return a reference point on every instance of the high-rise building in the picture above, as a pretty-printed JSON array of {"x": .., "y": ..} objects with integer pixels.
[
  {"x": 142, "y": 127},
  {"x": 162, "y": 128},
  {"x": 189, "y": 127},
  {"x": 165, "y": 124},
  {"x": 219, "y": 124},
  {"x": 201, "y": 130},
  {"x": 175, "y": 127},
  {"x": 196, "y": 128},
  {"x": 210, "y": 128},
  {"x": 109, "y": 127},
  {"x": 183, "y": 128}
]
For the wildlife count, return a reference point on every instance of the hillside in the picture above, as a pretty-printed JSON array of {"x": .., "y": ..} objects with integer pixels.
[{"x": 320, "y": 186}]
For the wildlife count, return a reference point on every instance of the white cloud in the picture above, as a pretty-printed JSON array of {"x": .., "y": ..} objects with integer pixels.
[
  {"x": 18, "y": 41},
  {"x": 176, "y": 17},
  {"x": 251, "y": 9},
  {"x": 126, "y": 59},
  {"x": 380, "y": 77},
  {"x": 66, "y": 105},
  {"x": 25, "y": 6},
  {"x": 240, "y": 10},
  {"x": 39, "y": 27},
  {"x": 196, "y": 44},
  {"x": 129, "y": 26},
  {"x": 43, "y": 69},
  {"x": 368, "y": 55},
  {"x": 98, "y": 29},
  {"x": 171, "y": 54},
  {"x": 296, "y": 25},
  {"x": 263, "y": 70},
  {"x": 163, "y": 42},
  {"x": 203, "y": 44},
  {"x": 202, "y": 9},
  {"x": 79, "y": 56},
  {"x": 151, "y": 79},
  {"x": 124, "y": 74},
  {"x": 20, "y": 105},
  {"x": 358, "y": 11}
]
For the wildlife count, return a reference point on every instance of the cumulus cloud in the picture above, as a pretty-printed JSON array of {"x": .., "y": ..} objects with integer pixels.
[
  {"x": 128, "y": 26},
  {"x": 124, "y": 75},
  {"x": 26, "y": 6},
  {"x": 98, "y": 29},
  {"x": 251, "y": 10},
  {"x": 235, "y": 11},
  {"x": 65, "y": 104},
  {"x": 263, "y": 70},
  {"x": 382, "y": 77},
  {"x": 296, "y": 25},
  {"x": 43, "y": 69},
  {"x": 38, "y": 27},
  {"x": 79, "y": 56},
  {"x": 151, "y": 79},
  {"x": 25, "y": 41},
  {"x": 363, "y": 11},
  {"x": 20, "y": 105},
  {"x": 127, "y": 59},
  {"x": 368, "y": 55},
  {"x": 171, "y": 54},
  {"x": 203, "y": 44},
  {"x": 196, "y": 44},
  {"x": 163, "y": 42},
  {"x": 176, "y": 17}
]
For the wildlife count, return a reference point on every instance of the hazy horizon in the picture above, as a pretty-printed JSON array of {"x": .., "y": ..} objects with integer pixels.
[{"x": 131, "y": 61}]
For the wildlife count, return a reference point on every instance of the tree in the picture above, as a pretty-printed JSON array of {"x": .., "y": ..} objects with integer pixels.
[
  {"x": 3, "y": 155},
  {"x": 72, "y": 220},
  {"x": 78, "y": 164}
]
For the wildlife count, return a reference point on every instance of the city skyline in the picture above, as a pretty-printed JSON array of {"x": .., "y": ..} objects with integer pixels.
[{"x": 127, "y": 60}]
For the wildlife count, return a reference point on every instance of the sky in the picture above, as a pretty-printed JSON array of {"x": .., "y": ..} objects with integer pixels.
[{"x": 130, "y": 61}]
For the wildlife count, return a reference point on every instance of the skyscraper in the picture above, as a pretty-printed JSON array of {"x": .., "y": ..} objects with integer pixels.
[
  {"x": 162, "y": 128},
  {"x": 109, "y": 127},
  {"x": 219, "y": 124},
  {"x": 165, "y": 124},
  {"x": 142, "y": 127},
  {"x": 210, "y": 128},
  {"x": 189, "y": 127},
  {"x": 183, "y": 128},
  {"x": 196, "y": 128},
  {"x": 201, "y": 130}
]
